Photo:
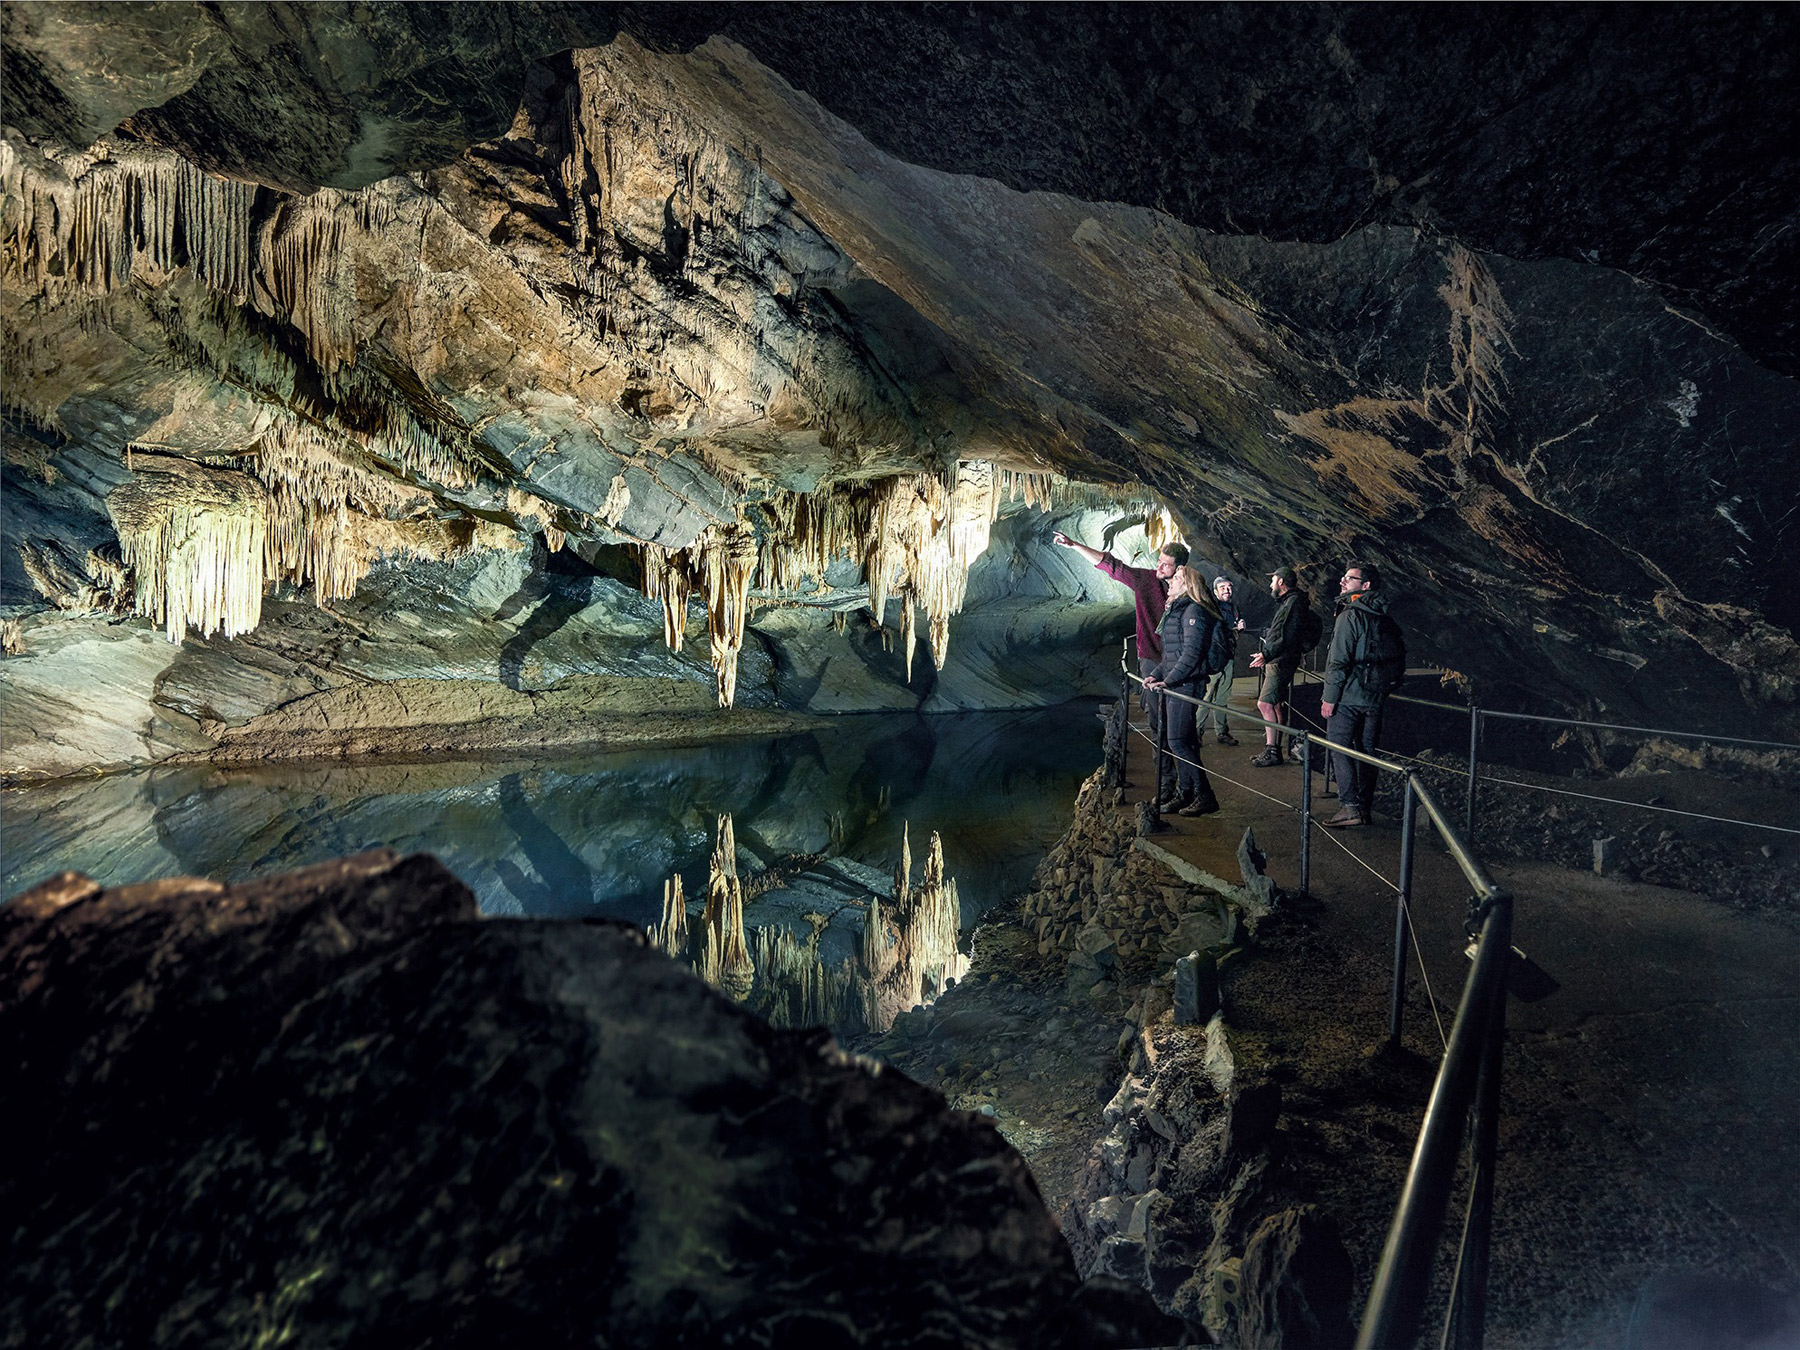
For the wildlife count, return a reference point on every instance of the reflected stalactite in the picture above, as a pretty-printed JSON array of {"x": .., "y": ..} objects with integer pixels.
[
  {"x": 905, "y": 954},
  {"x": 725, "y": 962}
]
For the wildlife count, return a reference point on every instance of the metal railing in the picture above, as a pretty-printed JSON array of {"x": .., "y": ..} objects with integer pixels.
[
  {"x": 1479, "y": 716},
  {"x": 1467, "y": 1089}
]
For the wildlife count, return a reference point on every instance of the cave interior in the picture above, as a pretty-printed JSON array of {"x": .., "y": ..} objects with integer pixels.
[{"x": 586, "y": 390}]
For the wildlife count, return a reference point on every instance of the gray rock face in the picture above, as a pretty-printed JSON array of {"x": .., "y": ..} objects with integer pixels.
[
  {"x": 337, "y": 1103},
  {"x": 1295, "y": 1284}
]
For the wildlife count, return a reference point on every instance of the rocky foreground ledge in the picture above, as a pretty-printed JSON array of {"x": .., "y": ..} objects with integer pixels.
[{"x": 337, "y": 1107}]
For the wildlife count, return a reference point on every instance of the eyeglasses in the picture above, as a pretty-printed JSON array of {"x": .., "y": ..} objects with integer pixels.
[{"x": 1352, "y": 576}]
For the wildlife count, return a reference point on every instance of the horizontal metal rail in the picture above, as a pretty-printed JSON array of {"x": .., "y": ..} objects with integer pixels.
[
  {"x": 1465, "y": 708},
  {"x": 1282, "y": 727}
]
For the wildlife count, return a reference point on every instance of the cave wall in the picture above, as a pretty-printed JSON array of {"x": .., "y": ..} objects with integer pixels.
[{"x": 624, "y": 291}]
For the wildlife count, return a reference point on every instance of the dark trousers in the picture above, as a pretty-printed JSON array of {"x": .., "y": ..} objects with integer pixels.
[
  {"x": 1360, "y": 729},
  {"x": 1153, "y": 710},
  {"x": 1191, "y": 782}
]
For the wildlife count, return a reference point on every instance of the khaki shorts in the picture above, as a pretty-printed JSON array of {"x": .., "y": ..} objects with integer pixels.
[{"x": 1277, "y": 680}]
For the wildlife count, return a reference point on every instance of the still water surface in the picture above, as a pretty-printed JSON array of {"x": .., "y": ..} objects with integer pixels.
[{"x": 590, "y": 832}]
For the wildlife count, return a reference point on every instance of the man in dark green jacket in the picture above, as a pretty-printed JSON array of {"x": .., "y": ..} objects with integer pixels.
[{"x": 1367, "y": 662}]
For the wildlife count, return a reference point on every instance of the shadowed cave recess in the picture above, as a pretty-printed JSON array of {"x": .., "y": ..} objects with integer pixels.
[{"x": 576, "y": 421}]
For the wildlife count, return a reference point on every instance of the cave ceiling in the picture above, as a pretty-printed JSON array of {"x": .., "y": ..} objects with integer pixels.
[{"x": 1502, "y": 297}]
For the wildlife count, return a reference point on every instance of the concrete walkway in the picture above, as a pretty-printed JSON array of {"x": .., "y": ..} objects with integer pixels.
[{"x": 1649, "y": 1185}]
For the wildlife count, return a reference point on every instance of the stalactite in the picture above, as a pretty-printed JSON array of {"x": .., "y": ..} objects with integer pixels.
[
  {"x": 89, "y": 221},
  {"x": 729, "y": 563},
  {"x": 102, "y": 584},
  {"x": 618, "y": 501},
  {"x": 668, "y": 576},
  {"x": 1160, "y": 528},
  {"x": 196, "y": 540},
  {"x": 1040, "y": 491},
  {"x": 909, "y": 628},
  {"x": 541, "y": 513}
]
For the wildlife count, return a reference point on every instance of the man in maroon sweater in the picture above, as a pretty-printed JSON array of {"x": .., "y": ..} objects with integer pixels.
[{"x": 1150, "y": 590}]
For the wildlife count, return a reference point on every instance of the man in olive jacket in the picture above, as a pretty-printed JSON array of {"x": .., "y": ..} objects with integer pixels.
[{"x": 1367, "y": 662}]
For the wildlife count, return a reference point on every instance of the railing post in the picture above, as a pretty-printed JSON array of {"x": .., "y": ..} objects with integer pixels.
[
  {"x": 1408, "y": 817},
  {"x": 1306, "y": 813},
  {"x": 1471, "y": 1281},
  {"x": 1474, "y": 750}
]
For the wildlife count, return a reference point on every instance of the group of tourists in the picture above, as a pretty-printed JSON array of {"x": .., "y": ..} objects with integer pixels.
[{"x": 1187, "y": 644}]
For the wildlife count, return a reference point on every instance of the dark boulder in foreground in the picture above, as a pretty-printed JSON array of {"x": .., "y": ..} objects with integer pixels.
[{"x": 336, "y": 1107}]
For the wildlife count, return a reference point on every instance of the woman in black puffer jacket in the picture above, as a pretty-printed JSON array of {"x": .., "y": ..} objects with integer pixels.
[{"x": 1187, "y": 635}]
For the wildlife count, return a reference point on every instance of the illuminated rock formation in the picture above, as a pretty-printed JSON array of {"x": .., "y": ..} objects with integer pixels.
[{"x": 671, "y": 282}]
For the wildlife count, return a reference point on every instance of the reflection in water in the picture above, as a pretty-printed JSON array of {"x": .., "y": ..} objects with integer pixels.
[
  {"x": 593, "y": 832},
  {"x": 897, "y": 957}
]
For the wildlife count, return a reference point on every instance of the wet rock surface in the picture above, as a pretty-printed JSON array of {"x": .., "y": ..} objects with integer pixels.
[{"x": 334, "y": 1105}]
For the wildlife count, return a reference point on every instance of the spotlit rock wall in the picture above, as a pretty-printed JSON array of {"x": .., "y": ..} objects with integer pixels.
[{"x": 620, "y": 292}]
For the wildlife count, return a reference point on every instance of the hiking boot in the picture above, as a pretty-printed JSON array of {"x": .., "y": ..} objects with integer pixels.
[
  {"x": 1268, "y": 759},
  {"x": 1348, "y": 818},
  {"x": 1170, "y": 805},
  {"x": 1200, "y": 806},
  {"x": 1226, "y": 738}
]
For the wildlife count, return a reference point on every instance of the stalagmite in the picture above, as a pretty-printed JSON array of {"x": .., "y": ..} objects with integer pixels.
[
  {"x": 196, "y": 539},
  {"x": 727, "y": 963}
]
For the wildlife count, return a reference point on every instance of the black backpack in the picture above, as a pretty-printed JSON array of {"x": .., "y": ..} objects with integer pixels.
[
  {"x": 1389, "y": 654},
  {"x": 1312, "y": 629},
  {"x": 1221, "y": 651}
]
